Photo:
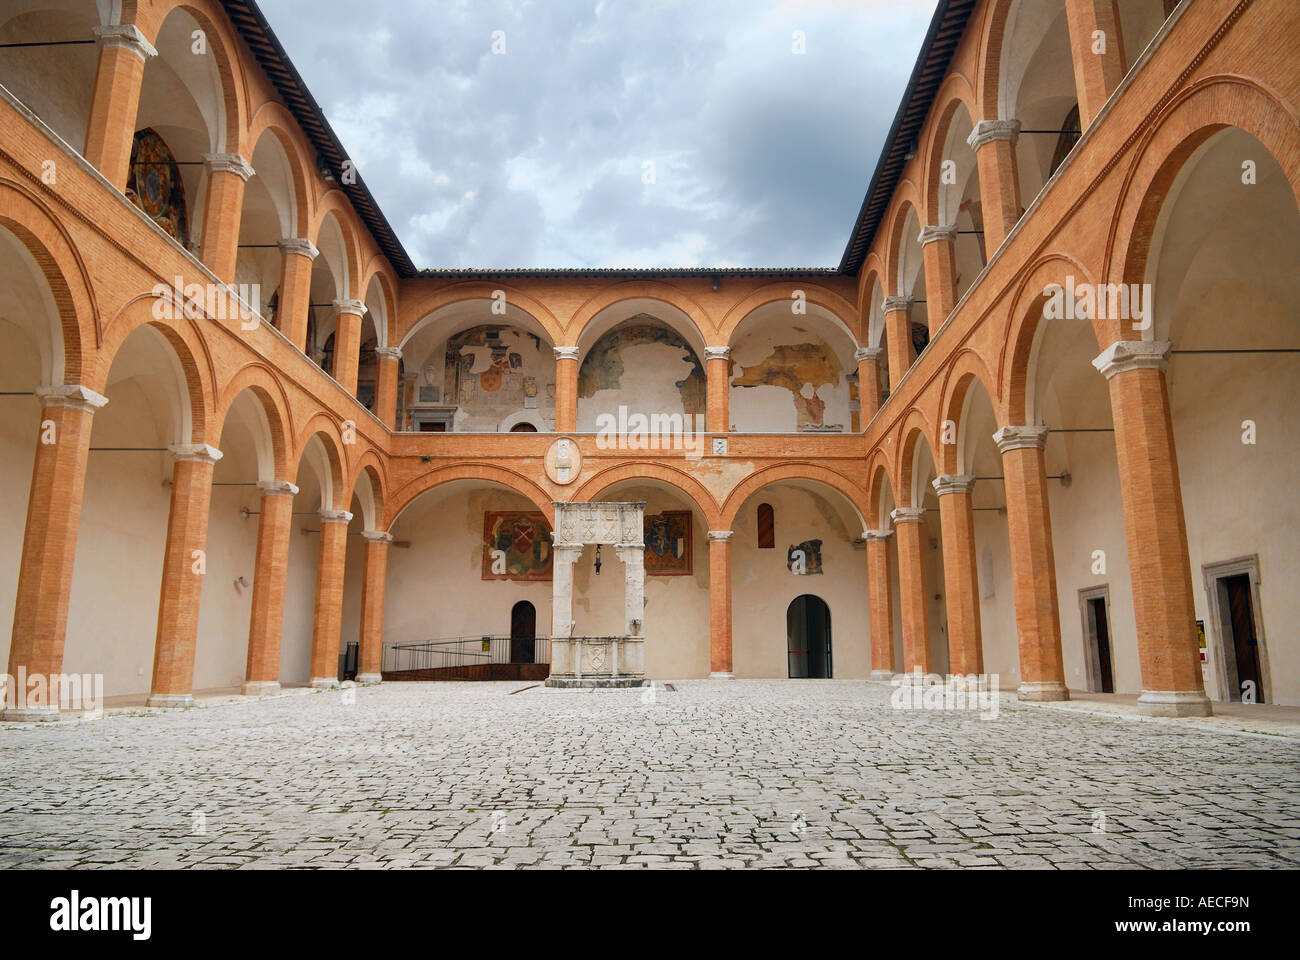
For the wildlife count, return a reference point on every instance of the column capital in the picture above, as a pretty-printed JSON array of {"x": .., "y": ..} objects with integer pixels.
[
  {"x": 377, "y": 536},
  {"x": 228, "y": 163},
  {"x": 350, "y": 306},
  {"x": 717, "y": 353},
  {"x": 300, "y": 246},
  {"x": 721, "y": 536},
  {"x": 277, "y": 488},
  {"x": 870, "y": 535},
  {"x": 194, "y": 452},
  {"x": 907, "y": 514},
  {"x": 568, "y": 552},
  {"x": 890, "y": 304},
  {"x": 335, "y": 516},
  {"x": 71, "y": 395},
  {"x": 867, "y": 353},
  {"x": 987, "y": 131},
  {"x": 1021, "y": 438},
  {"x": 566, "y": 353},
  {"x": 1125, "y": 355},
  {"x": 125, "y": 35},
  {"x": 388, "y": 353},
  {"x": 953, "y": 483},
  {"x": 932, "y": 234}
]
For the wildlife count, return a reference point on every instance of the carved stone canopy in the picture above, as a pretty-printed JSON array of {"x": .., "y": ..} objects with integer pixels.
[{"x": 621, "y": 524}]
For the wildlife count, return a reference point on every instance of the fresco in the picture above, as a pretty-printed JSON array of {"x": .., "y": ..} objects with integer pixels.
[
  {"x": 804, "y": 558},
  {"x": 492, "y": 371},
  {"x": 801, "y": 368},
  {"x": 516, "y": 546},
  {"x": 668, "y": 551},
  {"x": 603, "y": 369},
  {"x": 154, "y": 184}
]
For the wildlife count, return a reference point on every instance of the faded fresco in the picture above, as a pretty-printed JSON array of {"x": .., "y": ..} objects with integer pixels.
[
  {"x": 516, "y": 545},
  {"x": 802, "y": 369},
  {"x": 607, "y": 365},
  {"x": 493, "y": 371},
  {"x": 668, "y": 550},
  {"x": 804, "y": 558}
]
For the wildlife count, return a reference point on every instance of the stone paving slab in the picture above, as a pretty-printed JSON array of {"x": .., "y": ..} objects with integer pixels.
[{"x": 737, "y": 774}]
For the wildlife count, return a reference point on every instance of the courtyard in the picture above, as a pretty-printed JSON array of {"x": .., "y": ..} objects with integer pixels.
[{"x": 698, "y": 774}]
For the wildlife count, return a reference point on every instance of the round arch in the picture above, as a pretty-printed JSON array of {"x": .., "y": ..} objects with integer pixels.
[
  {"x": 800, "y": 470},
  {"x": 956, "y": 93},
  {"x": 276, "y": 421},
  {"x": 405, "y": 495},
  {"x": 906, "y": 199},
  {"x": 274, "y": 121},
  {"x": 912, "y": 429},
  {"x": 368, "y": 486},
  {"x": 880, "y": 480},
  {"x": 616, "y": 303},
  {"x": 832, "y": 308},
  {"x": 681, "y": 482},
  {"x": 965, "y": 369},
  {"x": 327, "y": 458},
  {"x": 519, "y": 306},
  {"x": 333, "y": 236}
]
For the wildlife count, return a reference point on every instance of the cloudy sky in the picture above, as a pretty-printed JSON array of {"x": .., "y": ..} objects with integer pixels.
[{"x": 539, "y": 155}]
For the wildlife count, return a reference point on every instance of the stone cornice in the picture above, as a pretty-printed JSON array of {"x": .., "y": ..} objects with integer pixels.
[
  {"x": 194, "y": 452},
  {"x": 1125, "y": 355},
  {"x": 228, "y": 163},
  {"x": 126, "y": 35},
  {"x": 907, "y": 514},
  {"x": 72, "y": 395},
  {"x": 987, "y": 131},
  {"x": 953, "y": 483},
  {"x": 1021, "y": 438}
]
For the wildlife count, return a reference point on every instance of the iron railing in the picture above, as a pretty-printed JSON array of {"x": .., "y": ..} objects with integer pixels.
[{"x": 465, "y": 651}]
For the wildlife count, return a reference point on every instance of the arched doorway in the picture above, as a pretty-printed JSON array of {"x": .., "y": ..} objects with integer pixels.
[
  {"x": 808, "y": 638},
  {"x": 523, "y": 632}
]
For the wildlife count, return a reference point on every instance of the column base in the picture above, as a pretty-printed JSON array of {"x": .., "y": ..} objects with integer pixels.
[
  {"x": 34, "y": 714},
  {"x": 324, "y": 683},
  {"x": 370, "y": 678},
  {"x": 722, "y": 676},
  {"x": 1174, "y": 703},
  {"x": 261, "y": 688},
  {"x": 1043, "y": 690},
  {"x": 882, "y": 676},
  {"x": 170, "y": 701},
  {"x": 571, "y": 683}
]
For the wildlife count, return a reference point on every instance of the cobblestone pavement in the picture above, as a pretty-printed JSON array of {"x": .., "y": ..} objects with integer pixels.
[{"x": 711, "y": 774}]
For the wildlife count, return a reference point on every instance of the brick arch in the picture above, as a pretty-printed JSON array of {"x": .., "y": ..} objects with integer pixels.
[
  {"x": 405, "y": 495},
  {"x": 378, "y": 271},
  {"x": 224, "y": 48},
  {"x": 266, "y": 387},
  {"x": 955, "y": 92},
  {"x": 370, "y": 465},
  {"x": 912, "y": 430},
  {"x": 323, "y": 425},
  {"x": 797, "y": 470},
  {"x": 423, "y": 308},
  {"x": 1023, "y": 321},
  {"x": 992, "y": 33},
  {"x": 335, "y": 203},
  {"x": 872, "y": 274},
  {"x": 1197, "y": 113},
  {"x": 682, "y": 482},
  {"x": 839, "y": 308},
  {"x": 187, "y": 346},
  {"x": 25, "y": 215},
  {"x": 964, "y": 370},
  {"x": 607, "y": 297},
  {"x": 879, "y": 477},
  {"x": 274, "y": 119},
  {"x": 906, "y": 197}
]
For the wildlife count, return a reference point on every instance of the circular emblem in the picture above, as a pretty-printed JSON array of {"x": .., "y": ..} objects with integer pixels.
[{"x": 563, "y": 461}]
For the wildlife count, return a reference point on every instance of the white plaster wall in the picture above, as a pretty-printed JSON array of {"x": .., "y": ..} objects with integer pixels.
[
  {"x": 19, "y": 426},
  {"x": 648, "y": 385},
  {"x": 771, "y": 408}
]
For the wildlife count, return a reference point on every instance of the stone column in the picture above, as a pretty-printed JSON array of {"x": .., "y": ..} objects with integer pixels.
[
  {"x": 566, "y": 389},
  {"x": 223, "y": 210},
  {"x": 110, "y": 131},
  {"x": 720, "y": 648},
  {"x": 719, "y": 374},
  {"x": 994, "y": 143},
  {"x": 564, "y": 557},
  {"x": 296, "y": 257},
  {"x": 184, "y": 565},
  {"x": 898, "y": 327},
  {"x": 347, "y": 343},
  {"x": 50, "y": 544},
  {"x": 881, "y": 604},
  {"x": 1033, "y": 564},
  {"x": 938, "y": 251},
  {"x": 960, "y": 576},
  {"x": 912, "y": 589},
  {"x": 868, "y": 382},
  {"x": 1155, "y": 529},
  {"x": 329, "y": 597},
  {"x": 1098, "y": 60},
  {"x": 374, "y": 582},
  {"x": 389, "y": 359},
  {"x": 266, "y": 625}
]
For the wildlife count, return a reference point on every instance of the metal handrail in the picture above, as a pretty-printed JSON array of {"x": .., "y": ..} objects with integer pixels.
[{"x": 415, "y": 655}]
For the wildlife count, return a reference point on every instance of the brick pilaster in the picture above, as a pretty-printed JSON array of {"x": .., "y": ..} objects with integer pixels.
[
  {"x": 719, "y": 369},
  {"x": 1155, "y": 529},
  {"x": 881, "y": 604},
  {"x": 720, "y": 661},
  {"x": 1096, "y": 74},
  {"x": 266, "y": 625},
  {"x": 115, "y": 101},
  {"x": 373, "y": 581},
  {"x": 184, "y": 565},
  {"x": 566, "y": 389},
  {"x": 50, "y": 543},
  {"x": 913, "y": 594},
  {"x": 1033, "y": 564},
  {"x": 389, "y": 359},
  {"x": 994, "y": 143},
  {"x": 960, "y": 577},
  {"x": 329, "y": 597},
  {"x": 223, "y": 209},
  {"x": 296, "y": 257},
  {"x": 939, "y": 255}
]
